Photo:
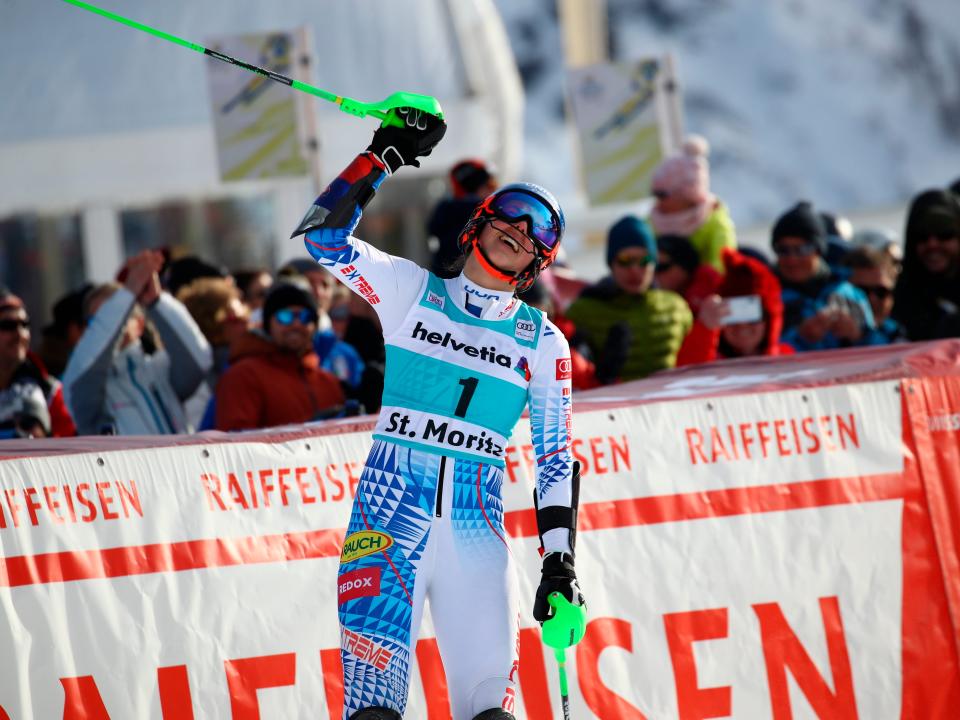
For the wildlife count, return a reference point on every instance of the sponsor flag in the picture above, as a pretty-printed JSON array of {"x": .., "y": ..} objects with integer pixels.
[
  {"x": 256, "y": 121},
  {"x": 620, "y": 111}
]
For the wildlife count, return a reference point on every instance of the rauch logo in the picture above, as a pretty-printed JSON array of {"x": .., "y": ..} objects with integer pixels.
[{"x": 363, "y": 543}]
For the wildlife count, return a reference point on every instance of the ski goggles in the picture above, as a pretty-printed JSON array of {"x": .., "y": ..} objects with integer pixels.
[
  {"x": 285, "y": 316},
  {"x": 542, "y": 221}
]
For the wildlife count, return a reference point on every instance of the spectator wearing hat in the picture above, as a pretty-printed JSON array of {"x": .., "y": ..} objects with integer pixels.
[
  {"x": 471, "y": 180},
  {"x": 822, "y": 310},
  {"x": 336, "y": 355},
  {"x": 679, "y": 269},
  {"x": 624, "y": 321},
  {"x": 111, "y": 383},
  {"x": 714, "y": 338},
  {"x": 30, "y": 398},
  {"x": 875, "y": 273},
  {"x": 685, "y": 206},
  {"x": 274, "y": 376},
  {"x": 927, "y": 297}
]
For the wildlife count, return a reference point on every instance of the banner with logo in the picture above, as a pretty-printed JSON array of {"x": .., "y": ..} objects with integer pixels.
[
  {"x": 620, "y": 114},
  {"x": 778, "y": 552},
  {"x": 255, "y": 120}
]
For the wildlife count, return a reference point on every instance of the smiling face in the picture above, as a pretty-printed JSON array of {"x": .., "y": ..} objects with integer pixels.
[
  {"x": 939, "y": 252},
  {"x": 292, "y": 329},
  {"x": 746, "y": 338},
  {"x": 632, "y": 270},
  {"x": 14, "y": 335}
]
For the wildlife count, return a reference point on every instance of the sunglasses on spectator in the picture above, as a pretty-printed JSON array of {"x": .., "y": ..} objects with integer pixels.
[
  {"x": 286, "y": 316},
  {"x": 660, "y": 194},
  {"x": 13, "y": 325},
  {"x": 794, "y": 250},
  {"x": 942, "y": 236},
  {"x": 626, "y": 262},
  {"x": 878, "y": 291}
]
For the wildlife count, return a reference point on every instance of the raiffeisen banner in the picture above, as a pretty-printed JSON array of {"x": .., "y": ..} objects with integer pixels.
[{"x": 757, "y": 539}]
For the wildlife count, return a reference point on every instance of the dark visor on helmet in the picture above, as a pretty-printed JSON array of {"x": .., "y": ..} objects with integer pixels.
[{"x": 544, "y": 226}]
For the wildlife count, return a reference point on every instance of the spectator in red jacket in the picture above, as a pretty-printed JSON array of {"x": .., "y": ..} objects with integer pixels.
[
  {"x": 23, "y": 379},
  {"x": 713, "y": 338},
  {"x": 274, "y": 376},
  {"x": 679, "y": 269}
]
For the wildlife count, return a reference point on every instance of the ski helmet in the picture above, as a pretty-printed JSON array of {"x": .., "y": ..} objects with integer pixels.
[{"x": 513, "y": 202}]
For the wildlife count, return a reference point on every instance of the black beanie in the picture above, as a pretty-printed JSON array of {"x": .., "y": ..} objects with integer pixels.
[
  {"x": 801, "y": 221},
  {"x": 680, "y": 250},
  {"x": 287, "y": 294}
]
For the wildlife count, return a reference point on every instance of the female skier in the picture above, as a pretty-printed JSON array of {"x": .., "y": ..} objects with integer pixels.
[{"x": 464, "y": 357}]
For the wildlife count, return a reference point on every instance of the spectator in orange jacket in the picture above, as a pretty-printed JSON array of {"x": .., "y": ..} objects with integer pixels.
[
  {"x": 274, "y": 376},
  {"x": 712, "y": 338}
]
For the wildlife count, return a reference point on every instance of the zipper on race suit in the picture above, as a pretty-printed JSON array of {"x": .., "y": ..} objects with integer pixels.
[{"x": 438, "y": 502}]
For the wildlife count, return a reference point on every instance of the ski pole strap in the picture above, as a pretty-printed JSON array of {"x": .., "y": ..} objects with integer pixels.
[{"x": 559, "y": 516}]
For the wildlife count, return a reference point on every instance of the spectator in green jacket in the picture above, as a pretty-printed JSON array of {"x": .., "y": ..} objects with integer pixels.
[
  {"x": 685, "y": 206},
  {"x": 625, "y": 321}
]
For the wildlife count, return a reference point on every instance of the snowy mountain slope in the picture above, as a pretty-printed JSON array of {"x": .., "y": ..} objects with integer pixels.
[{"x": 850, "y": 103}]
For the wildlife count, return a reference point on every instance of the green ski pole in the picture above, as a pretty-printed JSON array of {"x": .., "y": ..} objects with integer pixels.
[
  {"x": 561, "y": 656},
  {"x": 564, "y": 629},
  {"x": 382, "y": 110}
]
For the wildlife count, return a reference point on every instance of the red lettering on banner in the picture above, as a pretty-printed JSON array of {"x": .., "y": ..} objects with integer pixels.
[
  {"x": 305, "y": 497},
  {"x": 41, "y": 506},
  {"x": 606, "y": 454},
  {"x": 236, "y": 492},
  {"x": 332, "y": 668},
  {"x": 81, "y": 699},
  {"x": 597, "y": 455},
  {"x": 533, "y": 676},
  {"x": 782, "y": 651},
  {"x": 278, "y": 487},
  {"x": 3, "y": 714},
  {"x": 339, "y": 494},
  {"x": 247, "y": 675},
  {"x": 683, "y": 630},
  {"x": 52, "y": 506},
  {"x": 105, "y": 501},
  {"x": 266, "y": 487},
  {"x": 769, "y": 438},
  {"x": 603, "y": 633},
  {"x": 82, "y": 490},
  {"x": 284, "y": 485},
  {"x": 173, "y": 685},
  {"x": 434, "y": 680}
]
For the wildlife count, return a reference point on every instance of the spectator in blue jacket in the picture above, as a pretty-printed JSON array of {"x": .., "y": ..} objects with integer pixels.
[
  {"x": 822, "y": 309},
  {"x": 875, "y": 272}
]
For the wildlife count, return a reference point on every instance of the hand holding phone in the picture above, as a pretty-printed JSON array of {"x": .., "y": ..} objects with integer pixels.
[{"x": 743, "y": 309}]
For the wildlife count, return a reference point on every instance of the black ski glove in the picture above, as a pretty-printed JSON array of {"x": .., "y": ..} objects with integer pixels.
[
  {"x": 614, "y": 354},
  {"x": 557, "y": 575},
  {"x": 399, "y": 146}
]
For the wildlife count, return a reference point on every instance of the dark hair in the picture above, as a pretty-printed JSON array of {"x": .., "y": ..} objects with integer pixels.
[
  {"x": 244, "y": 276},
  {"x": 870, "y": 258}
]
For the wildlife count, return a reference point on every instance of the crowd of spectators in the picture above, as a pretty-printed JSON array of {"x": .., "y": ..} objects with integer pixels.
[{"x": 178, "y": 345}]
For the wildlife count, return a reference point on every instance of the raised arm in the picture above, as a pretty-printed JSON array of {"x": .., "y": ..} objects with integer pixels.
[{"x": 390, "y": 284}]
